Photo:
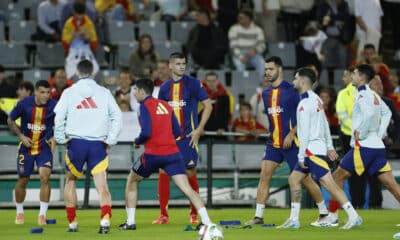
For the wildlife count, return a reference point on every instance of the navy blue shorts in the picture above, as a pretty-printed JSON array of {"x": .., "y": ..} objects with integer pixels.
[
  {"x": 146, "y": 164},
  {"x": 317, "y": 166},
  {"x": 26, "y": 162},
  {"x": 190, "y": 155},
  {"x": 279, "y": 154}
]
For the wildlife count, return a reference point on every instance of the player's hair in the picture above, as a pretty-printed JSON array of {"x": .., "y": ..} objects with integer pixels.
[
  {"x": 176, "y": 55},
  {"x": 211, "y": 73},
  {"x": 369, "y": 45},
  {"x": 308, "y": 73},
  {"x": 124, "y": 70},
  {"x": 165, "y": 61},
  {"x": 367, "y": 71},
  {"x": 247, "y": 12},
  {"x": 79, "y": 7},
  {"x": 85, "y": 68},
  {"x": 246, "y": 104},
  {"x": 42, "y": 83},
  {"x": 275, "y": 59},
  {"x": 27, "y": 86},
  {"x": 146, "y": 84}
]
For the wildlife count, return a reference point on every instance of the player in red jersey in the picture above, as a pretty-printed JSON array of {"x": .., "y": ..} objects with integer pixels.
[{"x": 159, "y": 130}]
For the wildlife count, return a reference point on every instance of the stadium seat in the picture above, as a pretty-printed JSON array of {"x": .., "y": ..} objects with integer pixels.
[
  {"x": 180, "y": 31},
  {"x": 285, "y": 50},
  {"x": 157, "y": 30},
  {"x": 2, "y": 34},
  {"x": 21, "y": 31},
  {"x": 121, "y": 158},
  {"x": 108, "y": 78},
  {"x": 14, "y": 12},
  {"x": 142, "y": 12},
  {"x": 124, "y": 52},
  {"x": 101, "y": 57},
  {"x": 201, "y": 74},
  {"x": 337, "y": 79},
  {"x": 288, "y": 75},
  {"x": 13, "y": 55},
  {"x": 49, "y": 55},
  {"x": 121, "y": 32},
  {"x": 244, "y": 82},
  {"x": 248, "y": 156},
  {"x": 34, "y": 75},
  {"x": 222, "y": 157},
  {"x": 164, "y": 49},
  {"x": 8, "y": 163},
  {"x": 29, "y": 3},
  {"x": 324, "y": 78}
]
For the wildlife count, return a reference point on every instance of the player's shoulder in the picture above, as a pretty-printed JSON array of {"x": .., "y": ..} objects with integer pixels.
[
  {"x": 51, "y": 103},
  {"x": 27, "y": 101},
  {"x": 165, "y": 85}
]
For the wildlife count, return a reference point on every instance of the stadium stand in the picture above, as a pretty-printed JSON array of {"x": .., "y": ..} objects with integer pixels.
[
  {"x": 164, "y": 49},
  {"x": 49, "y": 55},
  {"x": 121, "y": 32},
  {"x": 34, "y": 75},
  {"x": 21, "y": 31},
  {"x": 13, "y": 55},
  {"x": 180, "y": 31},
  {"x": 157, "y": 30},
  {"x": 285, "y": 50},
  {"x": 124, "y": 51}
]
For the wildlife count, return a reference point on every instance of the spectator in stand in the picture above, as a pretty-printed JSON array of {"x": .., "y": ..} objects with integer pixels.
[
  {"x": 161, "y": 73},
  {"x": 294, "y": 14},
  {"x": 207, "y": 43},
  {"x": 267, "y": 12},
  {"x": 49, "y": 17},
  {"x": 68, "y": 11},
  {"x": 221, "y": 103},
  {"x": 115, "y": 10},
  {"x": 368, "y": 52},
  {"x": 247, "y": 43},
  {"x": 257, "y": 104},
  {"x": 394, "y": 79},
  {"x": 6, "y": 88},
  {"x": 197, "y": 5},
  {"x": 79, "y": 39},
  {"x": 123, "y": 92},
  {"x": 394, "y": 125},
  {"x": 328, "y": 97},
  {"x": 144, "y": 60},
  {"x": 332, "y": 16},
  {"x": 384, "y": 72},
  {"x": 368, "y": 18},
  {"x": 170, "y": 10},
  {"x": 247, "y": 124},
  {"x": 58, "y": 83},
  {"x": 392, "y": 9}
]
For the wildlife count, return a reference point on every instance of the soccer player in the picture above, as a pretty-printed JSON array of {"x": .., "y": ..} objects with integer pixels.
[
  {"x": 160, "y": 127},
  {"x": 315, "y": 144},
  {"x": 37, "y": 142},
  {"x": 370, "y": 119},
  {"x": 88, "y": 121},
  {"x": 280, "y": 101},
  {"x": 183, "y": 93}
]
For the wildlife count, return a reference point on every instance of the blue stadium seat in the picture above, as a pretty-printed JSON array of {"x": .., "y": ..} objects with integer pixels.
[
  {"x": 34, "y": 75},
  {"x": 14, "y": 12},
  {"x": 180, "y": 31},
  {"x": 164, "y": 49},
  {"x": 21, "y": 31},
  {"x": 285, "y": 50},
  {"x": 49, "y": 55},
  {"x": 13, "y": 55},
  {"x": 121, "y": 32},
  {"x": 29, "y": 3},
  {"x": 2, "y": 35},
  {"x": 157, "y": 30},
  {"x": 124, "y": 52}
]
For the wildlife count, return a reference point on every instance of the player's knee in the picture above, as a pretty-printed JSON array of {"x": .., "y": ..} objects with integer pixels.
[
  {"x": 294, "y": 181},
  {"x": 22, "y": 182},
  {"x": 44, "y": 179}
]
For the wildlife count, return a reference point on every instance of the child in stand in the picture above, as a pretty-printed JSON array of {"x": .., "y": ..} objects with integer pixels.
[{"x": 246, "y": 123}]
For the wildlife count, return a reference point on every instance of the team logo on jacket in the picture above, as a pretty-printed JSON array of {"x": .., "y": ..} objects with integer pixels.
[{"x": 87, "y": 103}]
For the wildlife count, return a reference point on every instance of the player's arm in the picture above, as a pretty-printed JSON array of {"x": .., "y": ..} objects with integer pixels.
[
  {"x": 332, "y": 154},
  {"x": 386, "y": 116},
  {"x": 60, "y": 119},
  {"x": 15, "y": 114},
  {"x": 303, "y": 131},
  {"x": 145, "y": 122},
  {"x": 115, "y": 117},
  {"x": 205, "y": 115}
]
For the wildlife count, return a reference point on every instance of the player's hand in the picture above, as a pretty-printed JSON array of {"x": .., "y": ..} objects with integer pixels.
[
  {"x": 356, "y": 135},
  {"x": 52, "y": 143},
  {"x": 287, "y": 142},
  {"x": 136, "y": 146},
  {"x": 332, "y": 155},
  {"x": 195, "y": 135},
  {"x": 26, "y": 141},
  {"x": 302, "y": 165}
]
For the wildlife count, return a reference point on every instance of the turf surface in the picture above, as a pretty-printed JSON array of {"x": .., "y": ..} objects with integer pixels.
[{"x": 378, "y": 224}]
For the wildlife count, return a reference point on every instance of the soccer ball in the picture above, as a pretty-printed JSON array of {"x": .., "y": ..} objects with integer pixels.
[{"x": 211, "y": 232}]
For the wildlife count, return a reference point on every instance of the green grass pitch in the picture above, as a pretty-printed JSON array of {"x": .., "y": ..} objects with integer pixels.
[{"x": 378, "y": 224}]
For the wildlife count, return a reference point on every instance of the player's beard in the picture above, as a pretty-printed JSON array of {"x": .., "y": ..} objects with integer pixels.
[{"x": 274, "y": 77}]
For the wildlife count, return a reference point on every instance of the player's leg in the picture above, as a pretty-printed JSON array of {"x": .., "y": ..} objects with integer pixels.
[
  {"x": 181, "y": 181},
  {"x": 267, "y": 170},
  {"x": 295, "y": 180},
  {"x": 70, "y": 198},
  {"x": 390, "y": 183},
  {"x": 132, "y": 182},
  {"x": 164, "y": 190},
  {"x": 194, "y": 183},
  {"x": 24, "y": 169},
  {"x": 337, "y": 193},
  {"x": 44, "y": 173},
  {"x": 339, "y": 176}
]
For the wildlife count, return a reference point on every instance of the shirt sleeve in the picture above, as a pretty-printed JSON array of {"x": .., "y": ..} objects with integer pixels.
[
  {"x": 303, "y": 131},
  {"x": 145, "y": 122},
  {"x": 17, "y": 111},
  {"x": 61, "y": 111},
  {"x": 115, "y": 117},
  {"x": 201, "y": 94},
  {"x": 385, "y": 119},
  {"x": 42, "y": 19}
]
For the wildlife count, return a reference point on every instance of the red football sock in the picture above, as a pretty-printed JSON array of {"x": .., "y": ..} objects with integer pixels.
[
  {"x": 105, "y": 210},
  {"x": 333, "y": 205},
  {"x": 163, "y": 192},
  {"x": 195, "y": 186},
  {"x": 71, "y": 214}
]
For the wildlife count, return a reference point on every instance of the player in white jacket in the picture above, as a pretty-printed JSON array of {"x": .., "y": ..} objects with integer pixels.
[
  {"x": 370, "y": 119},
  {"x": 315, "y": 145},
  {"x": 88, "y": 121}
]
